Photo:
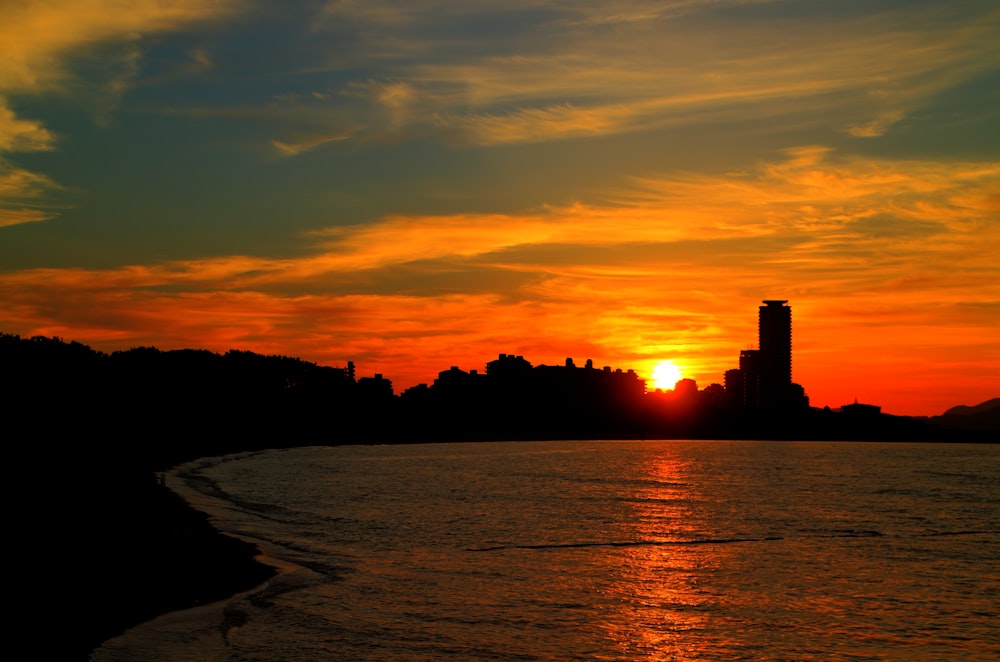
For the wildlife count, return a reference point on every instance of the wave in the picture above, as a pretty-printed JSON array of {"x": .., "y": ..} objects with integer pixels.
[
  {"x": 846, "y": 533},
  {"x": 624, "y": 543}
]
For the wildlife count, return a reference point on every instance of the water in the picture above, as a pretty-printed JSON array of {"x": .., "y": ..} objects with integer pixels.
[{"x": 618, "y": 550}]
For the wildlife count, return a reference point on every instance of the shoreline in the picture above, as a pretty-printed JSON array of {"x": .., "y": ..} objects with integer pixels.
[
  {"x": 204, "y": 627},
  {"x": 145, "y": 553}
]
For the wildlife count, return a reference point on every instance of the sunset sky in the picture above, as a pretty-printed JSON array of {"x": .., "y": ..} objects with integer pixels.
[{"x": 419, "y": 184}]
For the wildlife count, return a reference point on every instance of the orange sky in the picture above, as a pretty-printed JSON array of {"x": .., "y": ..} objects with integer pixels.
[{"x": 418, "y": 185}]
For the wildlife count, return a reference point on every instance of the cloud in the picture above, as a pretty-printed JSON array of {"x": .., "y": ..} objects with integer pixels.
[
  {"x": 10, "y": 216},
  {"x": 811, "y": 205},
  {"x": 535, "y": 71},
  {"x": 483, "y": 74},
  {"x": 22, "y": 195},
  {"x": 199, "y": 60},
  {"x": 396, "y": 96},
  {"x": 20, "y": 187},
  {"x": 37, "y": 39},
  {"x": 306, "y": 143},
  {"x": 42, "y": 46},
  {"x": 20, "y": 135},
  {"x": 537, "y": 124},
  {"x": 876, "y": 127}
]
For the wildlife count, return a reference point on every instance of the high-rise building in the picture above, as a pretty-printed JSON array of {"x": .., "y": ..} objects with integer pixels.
[
  {"x": 775, "y": 337},
  {"x": 764, "y": 378}
]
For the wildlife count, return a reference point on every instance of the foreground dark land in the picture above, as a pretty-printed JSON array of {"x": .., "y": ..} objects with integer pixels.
[
  {"x": 100, "y": 545},
  {"x": 111, "y": 550}
]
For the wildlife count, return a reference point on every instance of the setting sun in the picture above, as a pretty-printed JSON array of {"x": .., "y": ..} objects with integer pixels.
[{"x": 666, "y": 374}]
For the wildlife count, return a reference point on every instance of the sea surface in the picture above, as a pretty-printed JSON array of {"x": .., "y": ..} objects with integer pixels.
[{"x": 600, "y": 550}]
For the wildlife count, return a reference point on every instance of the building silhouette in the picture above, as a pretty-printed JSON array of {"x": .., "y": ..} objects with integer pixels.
[
  {"x": 764, "y": 378},
  {"x": 751, "y": 378},
  {"x": 775, "y": 353}
]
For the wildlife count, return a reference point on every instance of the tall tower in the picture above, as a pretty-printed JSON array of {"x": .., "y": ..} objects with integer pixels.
[{"x": 775, "y": 343}]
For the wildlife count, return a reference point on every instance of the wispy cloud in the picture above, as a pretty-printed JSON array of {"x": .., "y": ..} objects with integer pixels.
[
  {"x": 41, "y": 47},
  {"x": 38, "y": 38},
  {"x": 486, "y": 74},
  {"x": 21, "y": 135},
  {"x": 816, "y": 203},
  {"x": 23, "y": 196},
  {"x": 571, "y": 74},
  {"x": 306, "y": 144}
]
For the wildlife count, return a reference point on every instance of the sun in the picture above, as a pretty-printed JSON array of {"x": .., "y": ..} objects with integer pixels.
[{"x": 666, "y": 374}]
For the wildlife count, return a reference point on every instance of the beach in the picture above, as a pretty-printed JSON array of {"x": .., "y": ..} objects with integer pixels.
[{"x": 121, "y": 550}]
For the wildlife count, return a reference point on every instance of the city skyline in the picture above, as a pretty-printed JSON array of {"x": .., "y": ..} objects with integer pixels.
[
  {"x": 416, "y": 185},
  {"x": 760, "y": 388},
  {"x": 763, "y": 380}
]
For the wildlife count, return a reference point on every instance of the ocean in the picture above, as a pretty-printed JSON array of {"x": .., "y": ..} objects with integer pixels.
[{"x": 600, "y": 550}]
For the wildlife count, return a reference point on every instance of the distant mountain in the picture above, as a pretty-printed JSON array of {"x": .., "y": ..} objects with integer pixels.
[
  {"x": 964, "y": 410},
  {"x": 982, "y": 417}
]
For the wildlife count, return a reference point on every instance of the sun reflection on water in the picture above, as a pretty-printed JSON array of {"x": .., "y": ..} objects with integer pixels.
[{"x": 662, "y": 594}]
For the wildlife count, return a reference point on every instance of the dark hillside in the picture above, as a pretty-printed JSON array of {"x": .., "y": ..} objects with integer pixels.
[
  {"x": 982, "y": 417},
  {"x": 86, "y": 433}
]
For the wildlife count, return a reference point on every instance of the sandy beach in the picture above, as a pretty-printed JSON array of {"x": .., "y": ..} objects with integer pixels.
[{"x": 141, "y": 552}]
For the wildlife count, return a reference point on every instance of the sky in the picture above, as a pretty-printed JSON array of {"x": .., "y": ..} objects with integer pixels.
[{"x": 424, "y": 184}]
